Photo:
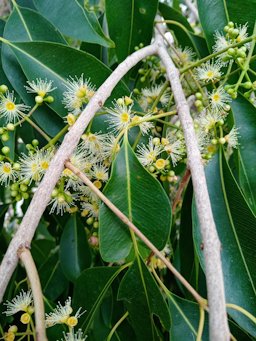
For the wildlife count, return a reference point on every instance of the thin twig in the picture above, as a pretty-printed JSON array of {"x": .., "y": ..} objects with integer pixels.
[
  {"x": 41, "y": 197},
  {"x": 147, "y": 242},
  {"x": 32, "y": 274},
  {"x": 218, "y": 325}
]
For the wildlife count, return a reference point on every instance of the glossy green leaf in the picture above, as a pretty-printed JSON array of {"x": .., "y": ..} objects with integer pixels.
[
  {"x": 40, "y": 250},
  {"x": 242, "y": 12},
  {"x": 183, "y": 31},
  {"x": 143, "y": 299},
  {"x": 185, "y": 319},
  {"x": 72, "y": 19},
  {"x": 141, "y": 198},
  {"x": 130, "y": 22},
  {"x": 90, "y": 289},
  {"x": 213, "y": 17},
  {"x": 27, "y": 25},
  {"x": 57, "y": 62},
  {"x": 244, "y": 114},
  {"x": 75, "y": 255},
  {"x": 235, "y": 224},
  {"x": 53, "y": 280}
]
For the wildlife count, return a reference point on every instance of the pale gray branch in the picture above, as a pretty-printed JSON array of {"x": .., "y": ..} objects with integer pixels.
[
  {"x": 35, "y": 284},
  {"x": 41, "y": 197},
  {"x": 212, "y": 249}
]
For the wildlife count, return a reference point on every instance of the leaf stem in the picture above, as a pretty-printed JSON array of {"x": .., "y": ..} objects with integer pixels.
[
  {"x": 201, "y": 324},
  {"x": 56, "y": 137},
  {"x": 113, "y": 330},
  {"x": 242, "y": 310}
]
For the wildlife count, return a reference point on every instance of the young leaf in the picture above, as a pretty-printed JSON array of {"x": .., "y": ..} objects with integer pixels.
[
  {"x": 72, "y": 19},
  {"x": 136, "y": 26},
  {"x": 143, "y": 299},
  {"x": 75, "y": 253},
  {"x": 141, "y": 198},
  {"x": 235, "y": 223}
]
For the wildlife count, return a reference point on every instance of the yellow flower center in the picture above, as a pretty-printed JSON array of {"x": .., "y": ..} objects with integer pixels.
[
  {"x": 151, "y": 156},
  {"x": 92, "y": 138},
  {"x": 97, "y": 183},
  {"x": 72, "y": 321},
  {"x": 100, "y": 175},
  {"x": 44, "y": 165},
  {"x": 210, "y": 74},
  {"x": 81, "y": 92},
  {"x": 125, "y": 117},
  {"x": 41, "y": 93},
  {"x": 135, "y": 119},
  {"x": 34, "y": 167},
  {"x": 7, "y": 169},
  {"x": 9, "y": 336},
  {"x": 67, "y": 172},
  {"x": 25, "y": 318},
  {"x": 71, "y": 119},
  {"x": 160, "y": 164},
  {"x": 10, "y": 106},
  {"x": 216, "y": 97}
]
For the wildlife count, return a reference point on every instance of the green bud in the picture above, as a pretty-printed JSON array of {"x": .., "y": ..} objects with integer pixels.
[
  {"x": 35, "y": 142},
  {"x": 23, "y": 188},
  {"x": 156, "y": 141},
  {"x": 15, "y": 186},
  {"x": 235, "y": 32},
  {"x": 29, "y": 146},
  {"x": 1, "y": 131},
  {"x": 254, "y": 85},
  {"x": 5, "y": 137},
  {"x": 2, "y": 157},
  {"x": 25, "y": 195},
  {"x": 55, "y": 192},
  {"x": 214, "y": 141},
  {"x": 141, "y": 71},
  {"x": 26, "y": 181},
  {"x": 198, "y": 103},
  {"x": 10, "y": 127},
  {"x": 199, "y": 95},
  {"x": 5, "y": 150},
  {"x": 151, "y": 169},
  {"x": 136, "y": 48},
  {"x": 18, "y": 197},
  {"x": 141, "y": 45},
  {"x": 39, "y": 99},
  {"x": 96, "y": 224},
  {"x": 90, "y": 221},
  {"x": 14, "y": 194},
  {"x": 221, "y": 122},
  {"x": 247, "y": 85},
  {"x": 231, "y": 24},
  {"x": 49, "y": 99},
  {"x": 171, "y": 173},
  {"x": 136, "y": 91},
  {"x": 247, "y": 94},
  {"x": 231, "y": 52},
  {"x": 16, "y": 166},
  {"x": 3, "y": 88},
  {"x": 241, "y": 54},
  {"x": 222, "y": 140},
  {"x": 142, "y": 79},
  {"x": 226, "y": 28}
]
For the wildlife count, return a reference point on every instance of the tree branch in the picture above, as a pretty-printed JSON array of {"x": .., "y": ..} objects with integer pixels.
[
  {"x": 201, "y": 301},
  {"x": 219, "y": 329},
  {"x": 41, "y": 197},
  {"x": 34, "y": 280}
]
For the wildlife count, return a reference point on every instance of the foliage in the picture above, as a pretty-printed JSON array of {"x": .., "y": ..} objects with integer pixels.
[{"x": 98, "y": 279}]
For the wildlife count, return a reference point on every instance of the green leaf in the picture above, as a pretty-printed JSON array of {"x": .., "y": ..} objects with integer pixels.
[
  {"x": 244, "y": 114},
  {"x": 130, "y": 23},
  {"x": 213, "y": 17},
  {"x": 52, "y": 278},
  {"x": 27, "y": 25},
  {"x": 75, "y": 255},
  {"x": 235, "y": 224},
  {"x": 143, "y": 299},
  {"x": 183, "y": 31},
  {"x": 141, "y": 198},
  {"x": 90, "y": 289},
  {"x": 72, "y": 19},
  {"x": 40, "y": 250},
  {"x": 185, "y": 319},
  {"x": 57, "y": 62}
]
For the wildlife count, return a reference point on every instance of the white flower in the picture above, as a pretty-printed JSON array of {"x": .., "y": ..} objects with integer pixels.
[
  {"x": 20, "y": 302},
  {"x": 34, "y": 166},
  {"x": 145, "y": 126},
  {"x": 202, "y": 140},
  {"x": 79, "y": 92},
  {"x": 147, "y": 154},
  {"x": 209, "y": 71},
  {"x": 7, "y": 173},
  {"x": 183, "y": 56},
  {"x": 207, "y": 121},
  {"x": 220, "y": 42},
  {"x": 232, "y": 138},
  {"x": 62, "y": 314},
  {"x": 87, "y": 193},
  {"x": 219, "y": 99},
  {"x": 109, "y": 147},
  {"x": 40, "y": 86},
  {"x": 100, "y": 172},
  {"x": 93, "y": 142},
  {"x": 62, "y": 202},
  {"x": 120, "y": 116},
  {"x": 174, "y": 147},
  {"x": 149, "y": 95},
  {"x": 78, "y": 336},
  {"x": 92, "y": 208},
  {"x": 9, "y": 110},
  {"x": 242, "y": 32}
]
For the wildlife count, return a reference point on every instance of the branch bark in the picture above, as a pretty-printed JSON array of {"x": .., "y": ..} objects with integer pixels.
[
  {"x": 41, "y": 197},
  {"x": 35, "y": 284},
  {"x": 219, "y": 329}
]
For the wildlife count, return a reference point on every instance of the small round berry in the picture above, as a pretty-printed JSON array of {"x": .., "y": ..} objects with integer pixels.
[
  {"x": 222, "y": 140},
  {"x": 10, "y": 127},
  {"x": 39, "y": 99},
  {"x": 5, "y": 137},
  {"x": 3, "y": 88},
  {"x": 16, "y": 166},
  {"x": 5, "y": 150}
]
